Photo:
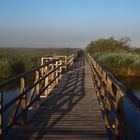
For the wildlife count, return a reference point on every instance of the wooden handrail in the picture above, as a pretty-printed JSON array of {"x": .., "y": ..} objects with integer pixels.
[
  {"x": 24, "y": 74},
  {"x": 110, "y": 93},
  {"x": 47, "y": 76}
]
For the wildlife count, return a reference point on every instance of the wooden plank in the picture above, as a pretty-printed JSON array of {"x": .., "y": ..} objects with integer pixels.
[{"x": 71, "y": 110}]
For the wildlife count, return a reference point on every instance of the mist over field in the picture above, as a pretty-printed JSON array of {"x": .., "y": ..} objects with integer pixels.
[{"x": 64, "y": 23}]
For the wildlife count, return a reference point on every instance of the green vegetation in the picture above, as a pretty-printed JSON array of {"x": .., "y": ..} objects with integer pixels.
[
  {"x": 14, "y": 61},
  {"x": 120, "y": 62},
  {"x": 117, "y": 56}
]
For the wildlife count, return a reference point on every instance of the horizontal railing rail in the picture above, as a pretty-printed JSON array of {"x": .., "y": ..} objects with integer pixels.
[
  {"x": 111, "y": 94},
  {"x": 29, "y": 96}
]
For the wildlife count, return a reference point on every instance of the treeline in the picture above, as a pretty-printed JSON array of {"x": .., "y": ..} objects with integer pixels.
[
  {"x": 14, "y": 61},
  {"x": 117, "y": 55},
  {"x": 111, "y": 45}
]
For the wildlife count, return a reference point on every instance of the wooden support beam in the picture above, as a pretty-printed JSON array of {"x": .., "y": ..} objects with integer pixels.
[
  {"x": 56, "y": 81},
  {"x": 46, "y": 80},
  {"x": 37, "y": 90},
  {"x": 52, "y": 77},
  {"x": 66, "y": 60},
  {"x": 49, "y": 78},
  {"x": 23, "y": 100},
  {"x": 60, "y": 62},
  {"x": 42, "y": 69}
]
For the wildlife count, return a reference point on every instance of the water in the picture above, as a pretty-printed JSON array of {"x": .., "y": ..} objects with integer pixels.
[
  {"x": 132, "y": 83},
  {"x": 137, "y": 93},
  {"x": 8, "y": 96},
  {"x": 132, "y": 115}
]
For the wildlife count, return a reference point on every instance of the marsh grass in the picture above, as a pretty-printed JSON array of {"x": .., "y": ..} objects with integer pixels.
[
  {"x": 119, "y": 58},
  {"x": 14, "y": 61},
  {"x": 124, "y": 65},
  {"x": 120, "y": 62}
]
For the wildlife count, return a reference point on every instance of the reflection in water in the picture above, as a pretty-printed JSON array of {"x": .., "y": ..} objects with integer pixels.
[
  {"x": 132, "y": 118},
  {"x": 8, "y": 96},
  {"x": 11, "y": 91},
  {"x": 132, "y": 83}
]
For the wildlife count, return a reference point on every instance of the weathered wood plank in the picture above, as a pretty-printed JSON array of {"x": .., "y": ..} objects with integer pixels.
[{"x": 71, "y": 111}]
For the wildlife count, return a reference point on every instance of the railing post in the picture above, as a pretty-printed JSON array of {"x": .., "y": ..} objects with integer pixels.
[
  {"x": 1, "y": 114},
  {"x": 66, "y": 60},
  {"x": 49, "y": 78},
  {"x": 60, "y": 62},
  {"x": 107, "y": 110},
  {"x": 76, "y": 56},
  {"x": 56, "y": 73},
  {"x": 37, "y": 90},
  {"x": 72, "y": 59},
  {"x": 52, "y": 77},
  {"x": 24, "y": 101},
  {"x": 46, "y": 80},
  {"x": 42, "y": 69},
  {"x": 116, "y": 128}
]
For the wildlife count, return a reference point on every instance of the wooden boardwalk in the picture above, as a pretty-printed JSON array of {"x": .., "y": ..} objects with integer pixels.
[{"x": 71, "y": 111}]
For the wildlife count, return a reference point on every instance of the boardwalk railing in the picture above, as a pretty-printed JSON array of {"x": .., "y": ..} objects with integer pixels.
[
  {"x": 111, "y": 95},
  {"x": 30, "y": 93}
]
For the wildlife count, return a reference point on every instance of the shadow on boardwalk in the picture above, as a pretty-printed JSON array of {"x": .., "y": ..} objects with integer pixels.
[{"x": 63, "y": 115}]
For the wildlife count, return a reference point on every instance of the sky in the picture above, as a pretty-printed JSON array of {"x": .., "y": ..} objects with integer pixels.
[{"x": 67, "y": 23}]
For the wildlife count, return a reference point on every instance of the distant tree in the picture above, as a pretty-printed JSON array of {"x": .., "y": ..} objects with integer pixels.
[
  {"x": 125, "y": 42},
  {"x": 109, "y": 44}
]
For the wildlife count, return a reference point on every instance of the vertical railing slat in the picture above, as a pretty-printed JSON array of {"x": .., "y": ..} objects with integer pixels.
[
  {"x": 46, "y": 80},
  {"x": 23, "y": 101},
  {"x": 56, "y": 73},
  {"x": 37, "y": 90},
  {"x": 60, "y": 62},
  {"x": 52, "y": 77}
]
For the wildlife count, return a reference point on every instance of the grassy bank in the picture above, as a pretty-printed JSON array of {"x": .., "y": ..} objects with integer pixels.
[
  {"x": 118, "y": 57},
  {"x": 120, "y": 62},
  {"x": 14, "y": 61}
]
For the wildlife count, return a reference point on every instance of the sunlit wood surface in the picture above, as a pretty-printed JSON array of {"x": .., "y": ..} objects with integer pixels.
[{"x": 71, "y": 111}]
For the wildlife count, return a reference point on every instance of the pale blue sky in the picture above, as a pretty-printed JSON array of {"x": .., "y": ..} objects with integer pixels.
[{"x": 67, "y": 23}]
